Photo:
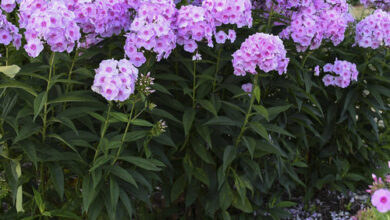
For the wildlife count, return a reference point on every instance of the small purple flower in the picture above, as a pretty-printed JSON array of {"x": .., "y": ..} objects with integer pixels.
[
  {"x": 381, "y": 200},
  {"x": 197, "y": 57},
  {"x": 247, "y": 87},
  {"x": 220, "y": 37},
  {"x": 232, "y": 35},
  {"x": 317, "y": 70}
]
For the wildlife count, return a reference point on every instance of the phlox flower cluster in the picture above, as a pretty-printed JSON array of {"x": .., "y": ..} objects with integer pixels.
[
  {"x": 317, "y": 20},
  {"x": 382, "y": 4},
  {"x": 9, "y": 5},
  {"x": 152, "y": 29},
  {"x": 374, "y": 30},
  {"x": 262, "y": 50},
  {"x": 237, "y": 12},
  {"x": 194, "y": 24},
  {"x": 101, "y": 18},
  {"x": 345, "y": 73},
  {"x": 9, "y": 32},
  {"x": 49, "y": 22},
  {"x": 115, "y": 80},
  {"x": 281, "y": 6},
  {"x": 192, "y": 2}
]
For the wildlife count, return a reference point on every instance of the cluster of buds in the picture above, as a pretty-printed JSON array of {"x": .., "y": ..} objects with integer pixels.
[
  {"x": 144, "y": 83},
  {"x": 4, "y": 188},
  {"x": 158, "y": 128},
  {"x": 379, "y": 183}
]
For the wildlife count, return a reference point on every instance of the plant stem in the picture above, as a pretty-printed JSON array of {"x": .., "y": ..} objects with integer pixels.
[
  {"x": 44, "y": 127},
  {"x": 124, "y": 134},
  {"x": 248, "y": 114},
  {"x": 270, "y": 18},
  {"x": 217, "y": 68},
  {"x": 194, "y": 87},
  {"x": 71, "y": 70},
  {"x": 103, "y": 131},
  {"x": 6, "y": 55}
]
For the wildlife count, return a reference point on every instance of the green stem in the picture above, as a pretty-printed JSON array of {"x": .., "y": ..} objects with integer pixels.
[
  {"x": 217, "y": 68},
  {"x": 305, "y": 59},
  {"x": 103, "y": 131},
  {"x": 44, "y": 126},
  {"x": 270, "y": 18},
  {"x": 45, "y": 110},
  {"x": 248, "y": 114},
  {"x": 6, "y": 55},
  {"x": 194, "y": 87},
  {"x": 124, "y": 134},
  {"x": 69, "y": 87}
]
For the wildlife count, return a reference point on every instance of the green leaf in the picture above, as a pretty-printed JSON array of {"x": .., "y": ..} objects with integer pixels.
[
  {"x": 39, "y": 102},
  {"x": 142, "y": 163},
  {"x": 19, "y": 190},
  {"x": 250, "y": 144},
  {"x": 192, "y": 192},
  {"x": 226, "y": 215},
  {"x": 188, "y": 119},
  {"x": 100, "y": 161},
  {"x": 123, "y": 174},
  {"x": 73, "y": 98},
  {"x": 225, "y": 196},
  {"x": 10, "y": 71},
  {"x": 201, "y": 175},
  {"x": 164, "y": 114},
  {"x": 259, "y": 129},
  {"x": 228, "y": 156},
  {"x": 58, "y": 137},
  {"x": 126, "y": 202},
  {"x": 26, "y": 131},
  {"x": 30, "y": 149},
  {"x": 257, "y": 93},
  {"x": 221, "y": 120},
  {"x": 206, "y": 104},
  {"x": 140, "y": 122},
  {"x": 275, "y": 111},
  {"x": 64, "y": 214},
  {"x": 38, "y": 200},
  {"x": 57, "y": 177},
  {"x": 114, "y": 192},
  {"x": 120, "y": 116},
  {"x": 67, "y": 122},
  {"x": 242, "y": 204},
  {"x": 88, "y": 193},
  {"x": 135, "y": 135},
  {"x": 278, "y": 129},
  {"x": 262, "y": 111},
  {"x": 178, "y": 187},
  {"x": 202, "y": 152},
  {"x": 17, "y": 85},
  {"x": 285, "y": 204}
]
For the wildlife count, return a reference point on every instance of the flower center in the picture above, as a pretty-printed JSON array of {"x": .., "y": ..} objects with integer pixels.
[{"x": 383, "y": 199}]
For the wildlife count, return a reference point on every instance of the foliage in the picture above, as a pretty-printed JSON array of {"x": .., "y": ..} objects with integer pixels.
[{"x": 68, "y": 153}]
